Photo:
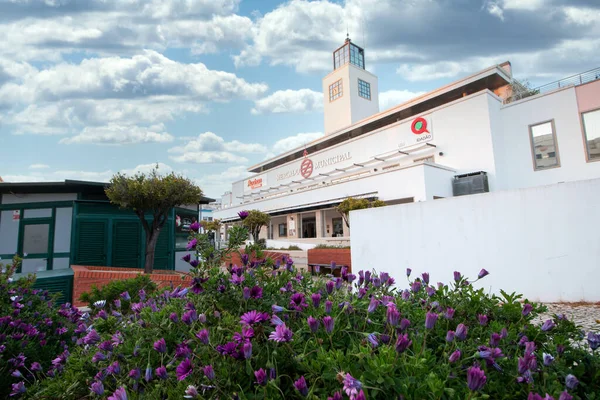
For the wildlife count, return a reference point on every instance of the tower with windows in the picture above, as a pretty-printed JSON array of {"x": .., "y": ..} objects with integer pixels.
[{"x": 350, "y": 92}]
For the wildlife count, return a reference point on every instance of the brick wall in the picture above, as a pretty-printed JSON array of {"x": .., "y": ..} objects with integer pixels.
[
  {"x": 342, "y": 257},
  {"x": 84, "y": 277}
]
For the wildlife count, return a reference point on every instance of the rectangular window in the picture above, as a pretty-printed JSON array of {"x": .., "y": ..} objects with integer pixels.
[
  {"x": 282, "y": 230},
  {"x": 591, "y": 129},
  {"x": 335, "y": 90},
  {"x": 364, "y": 89},
  {"x": 544, "y": 146}
]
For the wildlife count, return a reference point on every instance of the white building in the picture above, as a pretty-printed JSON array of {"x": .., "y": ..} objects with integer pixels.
[{"x": 471, "y": 136}]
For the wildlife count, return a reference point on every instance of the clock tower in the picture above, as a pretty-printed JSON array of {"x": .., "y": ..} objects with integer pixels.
[{"x": 350, "y": 92}]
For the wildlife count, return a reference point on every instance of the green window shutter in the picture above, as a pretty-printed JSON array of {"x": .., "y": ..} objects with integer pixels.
[
  {"x": 62, "y": 285},
  {"x": 126, "y": 244},
  {"x": 162, "y": 252},
  {"x": 91, "y": 242}
]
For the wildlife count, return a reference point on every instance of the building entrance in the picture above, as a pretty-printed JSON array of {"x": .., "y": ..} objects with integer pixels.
[{"x": 309, "y": 227}]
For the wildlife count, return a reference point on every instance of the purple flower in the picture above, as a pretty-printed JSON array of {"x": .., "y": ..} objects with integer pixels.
[
  {"x": 372, "y": 305},
  {"x": 548, "y": 325},
  {"x": 328, "y": 323},
  {"x": 403, "y": 343},
  {"x": 416, "y": 286},
  {"x": 483, "y": 273},
  {"x": 449, "y": 314},
  {"x": 114, "y": 368},
  {"x": 18, "y": 389},
  {"x": 191, "y": 392},
  {"x": 495, "y": 339},
  {"x": 148, "y": 374},
  {"x": 392, "y": 315},
  {"x": 329, "y": 286},
  {"x": 135, "y": 374},
  {"x": 243, "y": 215},
  {"x": 253, "y": 317},
  {"x": 593, "y": 340},
  {"x": 313, "y": 324},
  {"x": 475, "y": 378},
  {"x": 504, "y": 333},
  {"x": 189, "y": 317},
  {"x": 430, "y": 291},
  {"x": 182, "y": 350},
  {"x": 408, "y": 272},
  {"x": 548, "y": 359},
  {"x": 125, "y": 296},
  {"x": 203, "y": 336},
  {"x": 161, "y": 372},
  {"x": 184, "y": 369},
  {"x": 92, "y": 337},
  {"x": 360, "y": 396},
  {"x": 454, "y": 357},
  {"x": 316, "y": 299},
  {"x": 430, "y": 320},
  {"x": 275, "y": 308},
  {"x": 256, "y": 292},
  {"x": 298, "y": 302},
  {"x": 97, "y": 388},
  {"x": 99, "y": 356},
  {"x": 261, "y": 377},
  {"x": 336, "y": 396},
  {"x": 351, "y": 386},
  {"x": 35, "y": 366},
  {"x": 483, "y": 319},
  {"x": 275, "y": 320},
  {"x": 194, "y": 264},
  {"x": 372, "y": 338},
  {"x": 301, "y": 386},
  {"x": 571, "y": 382},
  {"x": 450, "y": 336},
  {"x": 209, "y": 372},
  {"x": 246, "y": 293},
  {"x": 560, "y": 349},
  {"x": 328, "y": 305},
  {"x": 281, "y": 334},
  {"x": 565, "y": 396},
  {"x": 425, "y": 276},
  {"x": 160, "y": 345},
  {"x": 192, "y": 244},
  {"x": 457, "y": 276},
  {"x": 247, "y": 349},
  {"x": 195, "y": 226},
  {"x": 461, "y": 331},
  {"x": 527, "y": 308},
  {"x": 173, "y": 317},
  {"x": 119, "y": 394},
  {"x": 405, "y": 294},
  {"x": 187, "y": 258}
]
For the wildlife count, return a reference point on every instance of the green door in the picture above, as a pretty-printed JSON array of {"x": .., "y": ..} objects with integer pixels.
[
  {"x": 127, "y": 244},
  {"x": 91, "y": 242}
]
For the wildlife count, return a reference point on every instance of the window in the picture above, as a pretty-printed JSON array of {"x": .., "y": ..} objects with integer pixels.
[
  {"x": 335, "y": 90},
  {"x": 591, "y": 129},
  {"x": 349, "y": 53},
  {"x": 544, "y": 146},
  {"x": 282, "y": 230},
  {"x": 364, "y": 89},
  {"x": 338, "y": 228}
]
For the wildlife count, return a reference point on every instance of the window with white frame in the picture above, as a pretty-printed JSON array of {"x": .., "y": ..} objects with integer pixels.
[
  {"x": 364, "y": 89},
  {"x": 591, "y": 130},
  {"x": 544, "y": 146},
  {"x": 335, "y": 90}
]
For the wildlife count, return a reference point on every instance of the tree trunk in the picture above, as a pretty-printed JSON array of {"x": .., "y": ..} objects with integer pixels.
[{"x": 150, "y": 247}]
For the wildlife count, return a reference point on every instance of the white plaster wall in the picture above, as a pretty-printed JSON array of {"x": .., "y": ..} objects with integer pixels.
[
  {"x": 337, "y": 113},
  {"x": 362, "y": 108},
  {"x": 438, "y": 182},
  {"x": 539, "y": 241},
  {"x": 62, "y": 230},
  {"x": 514, "y": 152},
  {"x": 37, "y": 197},
  {"x": 9, "y": 232}
]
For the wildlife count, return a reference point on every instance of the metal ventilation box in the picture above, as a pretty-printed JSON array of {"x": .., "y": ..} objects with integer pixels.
[{"x": 473, "y": 183}]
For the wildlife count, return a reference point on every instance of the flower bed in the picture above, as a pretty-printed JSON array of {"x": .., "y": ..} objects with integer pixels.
[
  {"x": 268, "y": 332},
  {"x": 340, "y": 256}
]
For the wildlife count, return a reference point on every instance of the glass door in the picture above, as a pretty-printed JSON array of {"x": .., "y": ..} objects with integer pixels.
[{"x": 34, "y": 245}]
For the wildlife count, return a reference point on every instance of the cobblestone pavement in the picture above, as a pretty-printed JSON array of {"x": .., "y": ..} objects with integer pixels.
[{"x": 586, "y": 315}]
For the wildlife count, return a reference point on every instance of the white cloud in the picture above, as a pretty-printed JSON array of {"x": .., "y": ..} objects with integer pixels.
[
  {"x": 393, "y": 98},
  {"x": 119, "y": 135},
  {"x": 293, "y": 142},
  {"x": 146, "y": 168},
  {"x": 211, "y": 142},
  {"x": 39, "y": 166},
  {"x": 214, "y": 185},
  {"x": 204, "y": 157},
  {"x": 289, "y": 101}
]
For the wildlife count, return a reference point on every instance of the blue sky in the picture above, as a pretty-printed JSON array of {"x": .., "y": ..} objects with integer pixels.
[{"x": 208, "y": 88}]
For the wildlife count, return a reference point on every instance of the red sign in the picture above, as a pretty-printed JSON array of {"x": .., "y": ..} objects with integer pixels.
[
  {"x": 419, "y": 126},
  {"x": 255, "y": 183},
  {"x": 16, "y": 215},
  {"x": 306, "y": 168}
]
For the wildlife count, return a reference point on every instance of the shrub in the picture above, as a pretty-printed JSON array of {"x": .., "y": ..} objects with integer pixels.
[
  {"x": 112, "y": 290},
  {"x": 269, "y": 332},
  {"x": 34, "y": 336},
  {"x": 331, "y": 246}
]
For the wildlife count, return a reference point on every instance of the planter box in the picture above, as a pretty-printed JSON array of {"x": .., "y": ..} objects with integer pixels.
[
  {"x": 274, "y": 255},
  {"x": 341, "y": 257},
  {"x": 85, "y": 276}
]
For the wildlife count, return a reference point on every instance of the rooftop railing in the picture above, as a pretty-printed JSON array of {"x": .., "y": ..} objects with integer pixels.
[{"x": 574, "y": 80}]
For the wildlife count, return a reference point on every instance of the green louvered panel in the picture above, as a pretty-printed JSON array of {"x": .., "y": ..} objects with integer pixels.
[
  {"x": 62, "y": 285},
  {"x": 127, "y": 243},
  {"x": 163, "y": 250},
  {"x": 91, "y": 242}
]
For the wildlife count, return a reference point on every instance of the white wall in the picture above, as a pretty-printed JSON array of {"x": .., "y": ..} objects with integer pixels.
[
  {"x": 542, "y": 241},
  {"x": 514, "y": 152},
  {"x": 37, "y": 197},
  {"x": 362, "y": 108},
  {"x": 337, "y": 112}
]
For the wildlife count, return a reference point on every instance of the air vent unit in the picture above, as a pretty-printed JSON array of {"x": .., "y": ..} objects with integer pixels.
[{"x": 473, "y": 183}]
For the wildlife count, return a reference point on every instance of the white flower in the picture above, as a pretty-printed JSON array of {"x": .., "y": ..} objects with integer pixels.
[
  {"x": 10, "y": 280},
  {"x": 13, "y": 298},
  {"x": 100, "y": 303}
]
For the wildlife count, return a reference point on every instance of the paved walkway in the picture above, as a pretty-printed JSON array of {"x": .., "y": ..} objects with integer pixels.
[{"x": 587, "y": 315}]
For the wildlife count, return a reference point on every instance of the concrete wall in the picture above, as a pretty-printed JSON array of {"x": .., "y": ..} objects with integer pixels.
[{"x": 542, "y": 241}]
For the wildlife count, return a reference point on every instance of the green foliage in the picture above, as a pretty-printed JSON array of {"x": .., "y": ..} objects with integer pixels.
[
  {"x": 213, "y": 225},
  {"x": 255, "y": 221},
  {"x": 291, "y": 247},
  {"x": 420, "y": 371},
  {"x": 520, "y": 90},
  {"x": 152, "y": 195},
  {"x": 351, "y": 204},
  {"x": 331, "y": 246},
  {"x": 112, "y": 290},
  {"x": 30, "y": 329},
  {"x": 211, "y": 257}
]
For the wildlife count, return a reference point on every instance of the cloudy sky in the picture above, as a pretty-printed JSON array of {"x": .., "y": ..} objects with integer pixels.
[{"x": 208, "y": 88}]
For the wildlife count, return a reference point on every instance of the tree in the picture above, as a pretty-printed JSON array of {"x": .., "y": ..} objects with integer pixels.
[
  {"x": 155, "y": 195},
  {"x": 520, "y": 90},
  {"x": 213, "y": 225},
  {"x": 255, "y": 221},
  {"x": 351, "y": 204}
]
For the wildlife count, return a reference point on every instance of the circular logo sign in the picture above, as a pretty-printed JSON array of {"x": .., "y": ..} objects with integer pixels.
[
  {"x": 419, "y": 126},
  {"x": 306, "y": 168}
]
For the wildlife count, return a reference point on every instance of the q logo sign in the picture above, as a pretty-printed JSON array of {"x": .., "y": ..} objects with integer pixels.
[{"x": 419, "y": 126}]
